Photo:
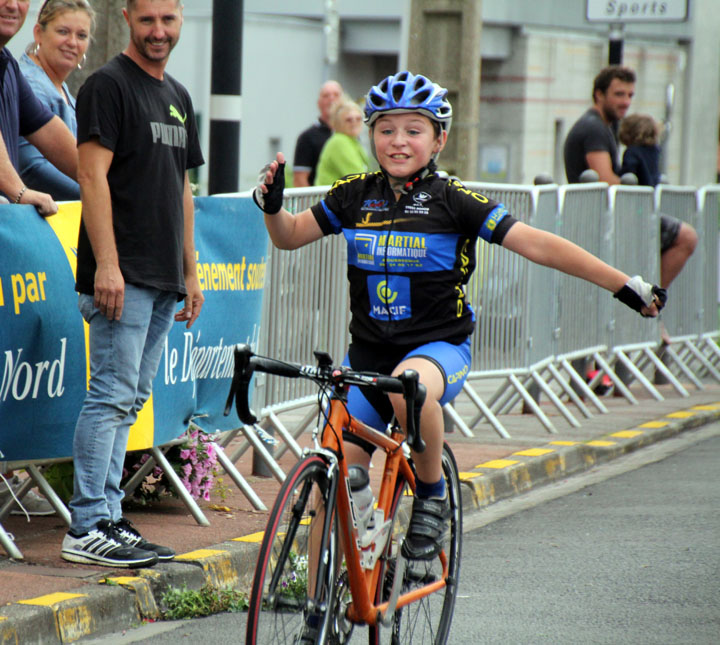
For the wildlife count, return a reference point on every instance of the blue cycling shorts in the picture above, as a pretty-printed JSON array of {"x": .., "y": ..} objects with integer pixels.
[{"x": 373, "y": 407}]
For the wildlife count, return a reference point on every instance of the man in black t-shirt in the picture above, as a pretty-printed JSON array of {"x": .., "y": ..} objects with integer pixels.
[
  {"x": 311, "y": 141},
  {"x": 137, "y": 137},
  {"x": 592, "y": 141}
]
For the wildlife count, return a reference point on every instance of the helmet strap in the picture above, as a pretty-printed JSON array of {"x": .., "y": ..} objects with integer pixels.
[{"x": 406, "y": 187}]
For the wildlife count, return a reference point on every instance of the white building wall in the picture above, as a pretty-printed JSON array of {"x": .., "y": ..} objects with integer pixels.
[
  {"x": 530, "y": 101},
  {"x": 282, "y": 72}
]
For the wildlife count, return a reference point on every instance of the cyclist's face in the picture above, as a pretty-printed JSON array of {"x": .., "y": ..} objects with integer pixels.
[{"x": 404, "y": 143}]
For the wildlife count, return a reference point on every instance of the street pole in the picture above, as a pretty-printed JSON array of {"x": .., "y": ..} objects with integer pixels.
[
  {"x": 615, "y": 49},
  {"x": 225, "y": 96}
]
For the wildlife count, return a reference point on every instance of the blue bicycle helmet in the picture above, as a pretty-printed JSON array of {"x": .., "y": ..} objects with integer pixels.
[{"x": 407, "y": 92}]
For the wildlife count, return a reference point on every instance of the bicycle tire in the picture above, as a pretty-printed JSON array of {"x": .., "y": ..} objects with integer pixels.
[
  {"x": 281, "y": 585},
  {"x": 428, "y": 620}
]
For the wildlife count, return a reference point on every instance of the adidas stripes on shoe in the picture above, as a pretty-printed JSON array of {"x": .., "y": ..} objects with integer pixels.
[{"x": 103, "y": 545}]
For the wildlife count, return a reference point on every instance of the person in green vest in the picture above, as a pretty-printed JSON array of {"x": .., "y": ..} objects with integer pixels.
[{"x": 343, "y": 153}]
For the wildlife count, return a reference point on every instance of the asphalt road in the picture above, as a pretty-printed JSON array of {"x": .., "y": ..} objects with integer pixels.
[{"x": 629, "y": 554}]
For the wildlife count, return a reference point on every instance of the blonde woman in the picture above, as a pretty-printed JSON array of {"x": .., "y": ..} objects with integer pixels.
[
  {"x": 343, "y": 154},
  {"x": 61, "y": 37}
]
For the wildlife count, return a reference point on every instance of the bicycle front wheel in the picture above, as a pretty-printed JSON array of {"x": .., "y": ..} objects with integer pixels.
[
  {"x": 298, "y": 556},
  {"x": 426, "y": 621}
]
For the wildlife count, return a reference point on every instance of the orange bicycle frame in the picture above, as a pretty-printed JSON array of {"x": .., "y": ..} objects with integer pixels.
[{"x": 363, "y": 582}]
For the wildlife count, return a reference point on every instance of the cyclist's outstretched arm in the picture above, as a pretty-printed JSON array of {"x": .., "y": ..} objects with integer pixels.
[
  {"x": 287, "y": 231},
  {"x": 558, "y": 253}
]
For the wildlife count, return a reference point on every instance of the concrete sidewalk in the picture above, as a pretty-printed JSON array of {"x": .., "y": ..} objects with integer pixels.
[{"x": 46, "y": 600}]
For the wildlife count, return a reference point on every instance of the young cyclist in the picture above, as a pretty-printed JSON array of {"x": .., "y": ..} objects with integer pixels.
[{"x": 411, "y": 237}]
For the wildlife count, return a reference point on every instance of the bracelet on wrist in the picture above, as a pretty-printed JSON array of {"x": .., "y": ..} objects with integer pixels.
[{"x": 20, "y": 194}]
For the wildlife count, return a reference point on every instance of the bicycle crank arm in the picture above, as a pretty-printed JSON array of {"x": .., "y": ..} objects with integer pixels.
[{"x": 400, "y": 566}]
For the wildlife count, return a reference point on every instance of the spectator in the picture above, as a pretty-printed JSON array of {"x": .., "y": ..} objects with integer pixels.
[
  {"x": 137, "y": 138},
  {"x": 343, "y": 154},
  {"x": 310, "y": 142},
  {"x": 640, "y": 132},
  {"x": 61, "y": 38},
  {"x": 21, "y": 114},
  {"x": 591, "y": 142}
]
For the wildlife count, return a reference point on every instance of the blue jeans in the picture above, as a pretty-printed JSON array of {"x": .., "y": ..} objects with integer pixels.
[{"x": 124, "y": 358}]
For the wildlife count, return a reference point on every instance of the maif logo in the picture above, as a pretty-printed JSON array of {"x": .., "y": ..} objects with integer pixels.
[{"x": 421, "y": 198}]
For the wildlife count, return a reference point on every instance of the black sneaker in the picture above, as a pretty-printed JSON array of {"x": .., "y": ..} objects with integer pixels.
[
  {"x": 132, "y": 537},
  {"x": 102, "y": 545},
  {"x": 428, "y": 525}
]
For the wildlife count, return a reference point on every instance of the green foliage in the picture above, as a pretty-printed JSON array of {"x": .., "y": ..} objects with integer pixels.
[
  {"x": 190, "y": 603},
  {"x": 60, "y": 477},
  {"x": 296, "y": 584}
]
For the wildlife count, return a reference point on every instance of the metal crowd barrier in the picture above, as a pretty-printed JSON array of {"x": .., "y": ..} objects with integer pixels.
[
  {"x": 636, "y": 246},
  {"x": 709, "y": 208},
  {"x": 505, "y": 288},
  {"x": 305, "y": 308},
  {"x": 685, "y": 322}
]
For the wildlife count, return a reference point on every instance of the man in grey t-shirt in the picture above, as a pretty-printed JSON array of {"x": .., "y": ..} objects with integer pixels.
[{"x": 591, "y": 142}]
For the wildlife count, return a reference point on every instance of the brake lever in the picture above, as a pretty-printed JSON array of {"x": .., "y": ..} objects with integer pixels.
[
  {"x": 414, "y": 394},
  {"x": 240, "y": 385}
]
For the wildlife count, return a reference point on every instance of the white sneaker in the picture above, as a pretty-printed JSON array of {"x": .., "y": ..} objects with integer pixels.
[
  {"x": 104, "y": 546},
  {"x": 33, "y": 503}
]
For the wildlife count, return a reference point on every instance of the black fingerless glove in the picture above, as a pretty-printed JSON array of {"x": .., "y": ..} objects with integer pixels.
[
  {"x": 637, "y": 294},
  {"x": 272, "y": 201}
]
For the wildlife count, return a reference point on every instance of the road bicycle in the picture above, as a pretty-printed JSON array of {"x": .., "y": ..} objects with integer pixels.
[{"x": 320, "y": 572}]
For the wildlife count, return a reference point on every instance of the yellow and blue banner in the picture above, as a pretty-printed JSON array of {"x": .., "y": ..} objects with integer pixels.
[{"x": 43, "y": 338}]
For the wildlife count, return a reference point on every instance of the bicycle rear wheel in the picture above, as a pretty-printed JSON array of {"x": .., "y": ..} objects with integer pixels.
[
  {"x": 426, "y": 621},
  {"x": 290, "y": 564}
]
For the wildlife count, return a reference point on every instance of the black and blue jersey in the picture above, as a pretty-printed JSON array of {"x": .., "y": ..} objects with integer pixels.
[{"x": 408, "y": 260}]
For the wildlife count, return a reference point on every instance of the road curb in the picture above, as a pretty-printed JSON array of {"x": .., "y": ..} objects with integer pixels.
[
  {"x": 116, "y": 603},
  {"x": 525, "y": 470}
]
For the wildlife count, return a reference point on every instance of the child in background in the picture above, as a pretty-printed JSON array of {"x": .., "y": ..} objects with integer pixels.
[{"x": 640, "y": 133}]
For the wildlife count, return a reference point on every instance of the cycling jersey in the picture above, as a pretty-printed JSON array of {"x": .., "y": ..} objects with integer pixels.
[{"x": 409, "y": 260}]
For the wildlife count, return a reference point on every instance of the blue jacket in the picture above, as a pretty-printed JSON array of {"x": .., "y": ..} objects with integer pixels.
[{"x": 35, "y": 170}]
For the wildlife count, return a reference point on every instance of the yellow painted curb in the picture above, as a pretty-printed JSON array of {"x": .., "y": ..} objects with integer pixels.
[
  {"x": 533, "y": 452},
  {"x": 51, "y": 599},
  {"x": 564, "y": 443},
  {"x": 218, "y": 566},
  {"x": 627, "y": 434},
  {"x": 73, "y": 618},
  {"x": 498, "y": 463},
  {"x": 144, "y": 597},
  {"x": 654, "y": 424},
  {"x": 199, "y": 554},
  {"x": 682, "y": 414},
  {"x": 252, "y": 537},
  {"x": 600, "y": 443}
]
